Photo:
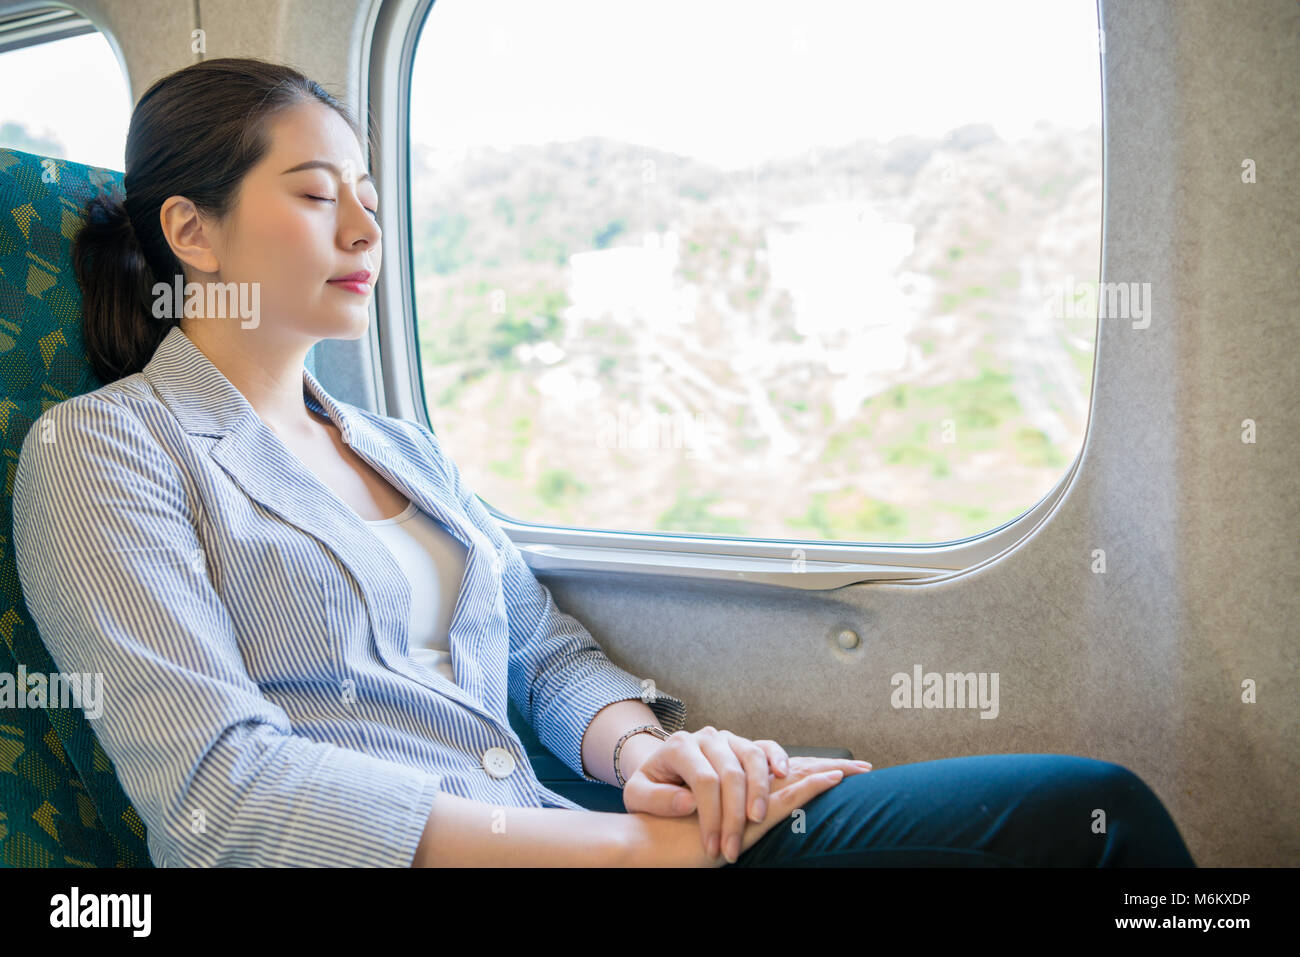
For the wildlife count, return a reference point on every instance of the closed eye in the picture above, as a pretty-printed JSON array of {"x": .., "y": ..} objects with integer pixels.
[{"x": 326, "y": 199}]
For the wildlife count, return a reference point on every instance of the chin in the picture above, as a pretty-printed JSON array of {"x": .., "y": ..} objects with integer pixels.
[
  {"x": 359, "y": 329},
  {"x": 354, "y": 329}
]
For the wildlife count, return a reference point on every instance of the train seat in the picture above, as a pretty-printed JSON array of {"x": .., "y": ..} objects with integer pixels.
[{"x": 60, "y": 801}]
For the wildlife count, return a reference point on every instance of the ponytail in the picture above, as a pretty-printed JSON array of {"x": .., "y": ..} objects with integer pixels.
[{"x": 117, "y": 283}]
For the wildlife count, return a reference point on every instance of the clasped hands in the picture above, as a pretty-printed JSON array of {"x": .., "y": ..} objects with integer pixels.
[{"x": 725, "y": 777}]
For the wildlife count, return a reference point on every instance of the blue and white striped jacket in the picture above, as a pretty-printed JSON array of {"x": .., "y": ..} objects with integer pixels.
[{"x": 259, "y": 701}]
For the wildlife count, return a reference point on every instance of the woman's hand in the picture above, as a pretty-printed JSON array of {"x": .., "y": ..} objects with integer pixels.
[
  {"x": 728, "y": 777},
  {"x": 674, "y": 841}
]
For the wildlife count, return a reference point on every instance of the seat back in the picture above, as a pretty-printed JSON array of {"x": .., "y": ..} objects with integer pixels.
[{"x": 60, "y": 801}]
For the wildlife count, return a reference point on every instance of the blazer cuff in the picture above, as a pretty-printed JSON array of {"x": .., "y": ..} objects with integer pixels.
[
  {"x": 582, "y": 700},
  {"x": 352, "y": 810}
]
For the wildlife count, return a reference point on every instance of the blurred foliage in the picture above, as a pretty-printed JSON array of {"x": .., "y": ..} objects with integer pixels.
[{"x": 952, "y": 451}]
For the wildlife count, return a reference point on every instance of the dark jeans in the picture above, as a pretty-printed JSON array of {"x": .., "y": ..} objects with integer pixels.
[{"x": 998, "y": 810}]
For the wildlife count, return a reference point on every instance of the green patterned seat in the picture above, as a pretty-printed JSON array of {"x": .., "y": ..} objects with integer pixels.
[{"x": 60, "y": 801}]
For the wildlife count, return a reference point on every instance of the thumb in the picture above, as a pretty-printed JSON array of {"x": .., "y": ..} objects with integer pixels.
[{"x": 660, "y": 799}]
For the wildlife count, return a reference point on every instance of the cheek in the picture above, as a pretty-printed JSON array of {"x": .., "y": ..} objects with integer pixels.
[
  {"x": 298, "y": 233},
  {"x": 292, "y": 248}
]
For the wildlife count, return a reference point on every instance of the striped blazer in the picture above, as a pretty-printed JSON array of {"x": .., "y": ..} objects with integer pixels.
[{"x": 259, "y": 702}]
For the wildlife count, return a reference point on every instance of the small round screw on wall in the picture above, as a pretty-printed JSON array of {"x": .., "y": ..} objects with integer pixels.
[{"x": 848, "y": 639}]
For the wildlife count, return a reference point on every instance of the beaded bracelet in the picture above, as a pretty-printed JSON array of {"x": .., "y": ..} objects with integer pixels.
[{"x": 654, "y": 729}]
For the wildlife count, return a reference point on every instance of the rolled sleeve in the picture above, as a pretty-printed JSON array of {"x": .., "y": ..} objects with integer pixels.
[
  {"x": 114, "y": 577},
  {"x": 577, "y": 681},
  {"x": 559, "y": 677}
]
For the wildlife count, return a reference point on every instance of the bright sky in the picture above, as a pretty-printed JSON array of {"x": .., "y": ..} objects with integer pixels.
[
  {"x": 82, "y": 100},
  {"x": 736, "y": 81},
  {"x": 729, "y": 81}
]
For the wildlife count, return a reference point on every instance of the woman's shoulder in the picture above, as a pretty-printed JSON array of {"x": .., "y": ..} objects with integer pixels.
[
  {"x": 121, "y": 393},
  {"x": 106, "y": 426},
  {"x": 124, "y": 397}
]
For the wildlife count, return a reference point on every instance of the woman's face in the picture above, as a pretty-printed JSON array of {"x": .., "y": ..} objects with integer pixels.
[{"x": 296, "y": 226}]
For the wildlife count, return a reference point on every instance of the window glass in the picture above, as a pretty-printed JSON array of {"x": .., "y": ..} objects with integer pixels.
[
  {"x": 74, "y": 101},
  {"x": 758, "y": 269}
]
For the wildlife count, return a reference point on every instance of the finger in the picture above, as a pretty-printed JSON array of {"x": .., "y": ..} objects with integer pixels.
[
  {"x": 755, "y": 760},
  {"x": 850, "y": 766},
  {"x": 732, "y": 786},
  {"x": 657, "y": 797},
  {"x": 776, "y": 756},
  {"x": 689, "y": 762},
  {"x": 790, "y": 798},
  {"x": 818, "y": 765},
  {"x": 797, "y": 793},
  {"x": 813, "y": 785}
]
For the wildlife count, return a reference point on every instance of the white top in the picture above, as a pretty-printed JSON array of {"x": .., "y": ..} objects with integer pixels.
[{"x": 434, "y": 562}]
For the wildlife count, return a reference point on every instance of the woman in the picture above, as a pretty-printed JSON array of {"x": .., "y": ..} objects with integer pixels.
[{"x": 310, "y": 629}]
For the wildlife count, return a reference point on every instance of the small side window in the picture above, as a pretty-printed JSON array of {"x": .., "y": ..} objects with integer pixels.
[{"x": 74, "y": 102}]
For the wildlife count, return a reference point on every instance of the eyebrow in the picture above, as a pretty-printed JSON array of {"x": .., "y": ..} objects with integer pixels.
[{"x": 322, "y": 164}]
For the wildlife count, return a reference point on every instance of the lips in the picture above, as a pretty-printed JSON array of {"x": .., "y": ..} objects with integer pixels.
[
  {"x": 362, "y": 288},
  {"x": 361, "y": 275}
]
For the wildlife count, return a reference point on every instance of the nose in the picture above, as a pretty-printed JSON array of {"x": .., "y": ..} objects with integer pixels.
[{"x": 358, "y": 226}]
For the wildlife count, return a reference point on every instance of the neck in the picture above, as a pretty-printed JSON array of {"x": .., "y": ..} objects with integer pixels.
[{"x": 268, "y": 375}]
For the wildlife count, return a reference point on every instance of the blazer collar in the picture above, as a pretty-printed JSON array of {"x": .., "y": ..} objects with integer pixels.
[{"x": 206, "y": 403}]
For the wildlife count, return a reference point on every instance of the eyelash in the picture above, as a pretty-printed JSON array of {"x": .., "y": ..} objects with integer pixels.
[{"x": 326, "y": 199}]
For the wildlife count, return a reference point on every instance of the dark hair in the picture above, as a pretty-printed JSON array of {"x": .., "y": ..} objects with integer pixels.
[{"x": 194, "y": 133}]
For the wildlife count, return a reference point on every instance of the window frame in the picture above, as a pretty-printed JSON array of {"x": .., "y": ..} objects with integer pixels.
[
  {"x": 41, "y": 23},
  {"x": 391, "y": 37}
]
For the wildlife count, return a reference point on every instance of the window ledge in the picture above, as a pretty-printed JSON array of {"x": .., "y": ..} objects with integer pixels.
[
  {"x": 790, "y": 572},
  {"x": 805, "y": 565}
]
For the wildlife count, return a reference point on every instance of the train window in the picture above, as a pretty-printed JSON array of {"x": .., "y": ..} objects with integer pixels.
[
  {"x": 807, "y": 272},
  {"x": 75, "y": 104}
]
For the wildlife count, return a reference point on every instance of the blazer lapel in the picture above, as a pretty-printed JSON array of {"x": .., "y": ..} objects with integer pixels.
[
  {"x": 207, "y": 403},
  {"x": 478, "y": 600}
]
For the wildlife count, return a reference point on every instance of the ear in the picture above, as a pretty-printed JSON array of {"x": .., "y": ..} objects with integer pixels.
[{"x": 187, "y": 231}]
